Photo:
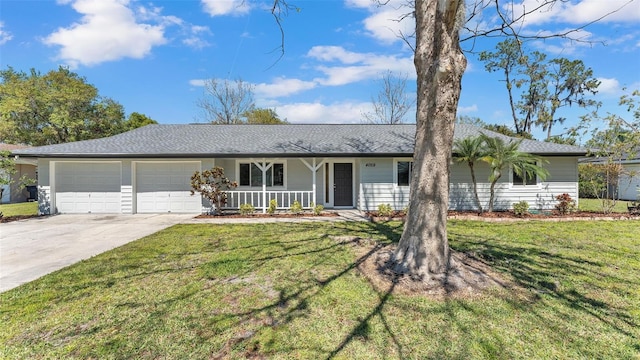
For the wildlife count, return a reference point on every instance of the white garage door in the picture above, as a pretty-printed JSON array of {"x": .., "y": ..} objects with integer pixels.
[
  {"x": 87, "y": 187},
  {"x": 165, "y": 187}
]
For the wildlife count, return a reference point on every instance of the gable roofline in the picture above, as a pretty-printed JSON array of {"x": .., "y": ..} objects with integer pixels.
[{"x": 290, "y": 140}]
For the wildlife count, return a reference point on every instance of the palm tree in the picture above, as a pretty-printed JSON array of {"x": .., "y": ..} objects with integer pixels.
[
  {"x": 470, "y": 150},
  {"x": 501, "y": 155}
]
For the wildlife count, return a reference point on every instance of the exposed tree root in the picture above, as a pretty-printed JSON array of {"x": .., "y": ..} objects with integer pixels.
[{"x": 467, "y": 276}]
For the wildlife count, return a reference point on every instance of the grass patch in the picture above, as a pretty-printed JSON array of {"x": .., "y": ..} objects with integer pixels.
[
  {"x": 19, "y": 209},
  {"x": 595, "y": 205},
  {"x": 291, "y": 291}
]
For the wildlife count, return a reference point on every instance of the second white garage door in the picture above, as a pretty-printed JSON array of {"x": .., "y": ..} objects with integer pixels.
[{"x": 165, "y": 187}]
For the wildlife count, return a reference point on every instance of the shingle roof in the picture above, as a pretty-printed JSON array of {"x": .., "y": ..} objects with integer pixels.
[{"x": 293, "y": 140}]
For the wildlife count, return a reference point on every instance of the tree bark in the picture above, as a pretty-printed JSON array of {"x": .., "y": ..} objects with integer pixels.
[
  {"x": 475, "y": 186},
  {"x": 423, "y": 251}
]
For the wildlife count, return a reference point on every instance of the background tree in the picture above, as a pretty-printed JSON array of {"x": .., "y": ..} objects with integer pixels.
[
  {"x": 508, "y": 59},
  {"x": 470, "y": 150},
  {"x": 569, "y": 82},
  {"x": 501, "y": 156},
  {"x": 392, "y": 103},
  {"x": 535, "y": 93},
  {"x": 7, "y": 172},
  {"x": 499, "y": 128},
  {"x": 137, "y": 120},
  {"x": 544, "y": 86},
  {"x": 57, "y": 107},
  {"x": 600, "y": 181},
  {"x": 225, "y": 102},
  {"x": 618, "y": 141},
  {"x": 263, "y": 116}
]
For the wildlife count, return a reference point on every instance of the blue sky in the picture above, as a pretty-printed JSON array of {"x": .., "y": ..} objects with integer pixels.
[{"x": 152, "y": 56}]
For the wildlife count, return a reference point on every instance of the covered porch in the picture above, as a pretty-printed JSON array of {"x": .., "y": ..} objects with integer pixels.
[{"x": 309, "y": 181}]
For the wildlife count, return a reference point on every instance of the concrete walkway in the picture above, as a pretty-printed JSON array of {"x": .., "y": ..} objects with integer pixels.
[{"x": 35, "y": 247}]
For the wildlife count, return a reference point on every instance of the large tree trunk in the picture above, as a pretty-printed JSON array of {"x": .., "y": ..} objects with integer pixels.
[{"x": 423, "y": 251}]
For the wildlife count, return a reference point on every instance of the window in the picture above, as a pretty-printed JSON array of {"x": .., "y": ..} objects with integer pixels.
[
  {"x": 251, "y": 175},
  {"x": 527, "y": 180},
  {"x": 404, "y": 170}
]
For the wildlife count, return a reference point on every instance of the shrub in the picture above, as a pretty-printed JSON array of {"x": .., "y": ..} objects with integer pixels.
[
  {"x": 317, "y": 209},
  {"x": 247, "y": 209},
  {"x": 521, "y": 208},
  {"x": 565, "y": 204},
  {"x": 385, "y": 210},
  {"x": 273, "y": 205},
  {"x": 296, "y": 208},
  {"x": 212, "y": 185}
]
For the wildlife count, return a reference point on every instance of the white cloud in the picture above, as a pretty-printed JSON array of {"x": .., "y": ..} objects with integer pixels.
[
  {"x": 197, "y": 82},
  {"x": 195, "y": 42},
  {"x": 467, "y": 109},
  {"x": 335, "y": 53},
  {"x": 609, "y": 86},
  {"x": 281, "y": 87},
  {"x": 317, "y": 113},
  {"x": 387, "y": 22},
  {"x": 360, "y": 66},
  {"x": 4, "y": 35},
  {"x": 195, "y": 37},
  {"x": 107, "y": 31},
  {"x": 226, "y": 7},
  {"x": 577, "y": 12},
  {"x": 365, "y": 4}
]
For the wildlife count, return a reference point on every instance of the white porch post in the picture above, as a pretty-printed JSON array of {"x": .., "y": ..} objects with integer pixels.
[
  {"x": 313, "y": 175},
  {"x": 264, "y": 187},
  {"x": 264, "y": 167},
  {"x": 314, "y": 168}
]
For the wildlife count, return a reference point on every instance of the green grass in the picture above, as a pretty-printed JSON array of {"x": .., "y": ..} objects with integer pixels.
[
  {"x": 290, "y": 291},
  {"x": 595, "y": 205},
  {"x": 19, "y": 209}
]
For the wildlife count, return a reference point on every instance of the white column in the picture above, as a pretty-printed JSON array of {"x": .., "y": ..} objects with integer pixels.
[
  {"x": 264, "y": 187},
  {"x": 314, "y": 168},
  {"x": 313, "y": 175}
]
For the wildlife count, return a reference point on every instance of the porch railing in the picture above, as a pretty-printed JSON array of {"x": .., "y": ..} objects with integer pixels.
[{"x": 235, "y": 198}]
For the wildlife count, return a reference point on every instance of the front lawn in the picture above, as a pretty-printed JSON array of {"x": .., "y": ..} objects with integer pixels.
[
  {"x": 19, "y": 209},
  {"x": 292, "y": 291},
  {"x": 595, "y": 205}
]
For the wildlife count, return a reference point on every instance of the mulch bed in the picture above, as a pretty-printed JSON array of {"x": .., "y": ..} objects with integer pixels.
[
  {"x": 511, "y": 216},
  {"x": 6, "y": 219},
  {"x": 261, "y": 215}
]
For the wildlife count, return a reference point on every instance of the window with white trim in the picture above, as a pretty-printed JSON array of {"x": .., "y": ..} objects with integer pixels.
[
  {"x": 251, "y": 175},
  {"x": 524, "y": 180},
  {"x": 403, "y": 172}
]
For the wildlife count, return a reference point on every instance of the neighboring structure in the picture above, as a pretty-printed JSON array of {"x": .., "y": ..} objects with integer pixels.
[
  {"x": 13, "y": 193},
  {"x": 148, "y": 170},
  {"x": 629, "y": 181}
]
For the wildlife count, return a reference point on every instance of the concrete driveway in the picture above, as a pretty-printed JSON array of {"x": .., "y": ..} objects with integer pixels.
[{"x": 35, "y": 247}]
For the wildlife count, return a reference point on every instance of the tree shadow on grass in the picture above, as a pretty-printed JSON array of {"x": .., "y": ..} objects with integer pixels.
[
  {"x": 250, "y": 267},
  {"x": 547, "y": 274}
]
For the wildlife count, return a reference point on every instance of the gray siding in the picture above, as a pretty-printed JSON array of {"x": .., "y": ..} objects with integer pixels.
[
  {"x": 378, "y": 188},
  {"x": 629, "y": 183}
]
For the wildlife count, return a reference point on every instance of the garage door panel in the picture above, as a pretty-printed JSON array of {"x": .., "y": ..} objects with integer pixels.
[
  {"x": 166, "y": 187},
  {"x": 88, "y": 187}
]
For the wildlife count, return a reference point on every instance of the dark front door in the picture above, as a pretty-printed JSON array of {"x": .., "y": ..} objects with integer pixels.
[{"x": 343, "y": 184}]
